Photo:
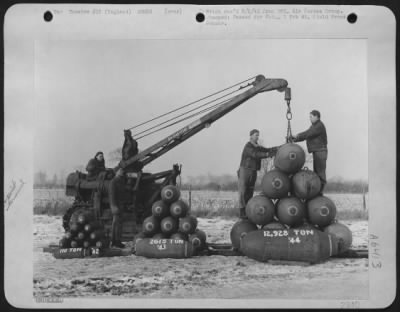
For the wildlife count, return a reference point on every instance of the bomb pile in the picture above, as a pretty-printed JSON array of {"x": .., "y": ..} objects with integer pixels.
[
  {"x": 84, "y": 231},
  {"x": 171, "y": 231},
  {"x": 290, "y": 216}
]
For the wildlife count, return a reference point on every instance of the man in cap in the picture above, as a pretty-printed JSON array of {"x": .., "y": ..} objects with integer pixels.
[
  {"x": 134, "y": 170},
  {"x": 317, "y": 144},
  {"x": 250, "y": 163}
]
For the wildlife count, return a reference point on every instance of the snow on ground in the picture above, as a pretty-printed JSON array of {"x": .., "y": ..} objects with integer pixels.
[{"x": 197, "y": 277}]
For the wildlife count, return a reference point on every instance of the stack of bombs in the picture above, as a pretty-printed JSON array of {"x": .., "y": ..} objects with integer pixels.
[
  {"x": 85, "y": 231},
  {"x": 290, "y": 220},
  {"x": 170, "y": 227}
]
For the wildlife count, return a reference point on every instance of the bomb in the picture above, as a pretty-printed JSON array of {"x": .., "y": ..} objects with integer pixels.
[
  {"x": 64, "y": 243},
  {"x": 291, "y": 211},
  {"x": 164, "y": 248},
  {"x": 151, "y": 225},
  {"x": 290, "y": 158},
  {"x": 306, "y": 184},
  {"x": 86, "y": 244},
  {"x": 75, "y": 227},
  {"x": 275, "y": 184},
  {"x": 140, "y": 235},
  {"x": 274, "y": 226},
  {"x": 198, "y": 239},
  {"x": 308, "y": 245},
  {"x": 179, "y": 209},
  {"x": 103, "y": 243},
  {"x": 187, "y": 225},
  {"x": 170, "y": 193},
  {"x": 71, "y": 253},
  {"x": 68, "y": 235},
  {"x": 169, "y": 225},
  {"x": 239, "y": 230},
  {"x": 160, "y": 236},
  {"x": 342, "y": 233},
  {"x": 160, "y": 209},
  {"x": 260, "y": 210},
  {"x": 179, "y": 235},
  {"x": 74, "y": 216},
  {"x": 307, "y": 226},
  {"x": 85, "y": 217},
  {"x": 97, "y": 235},
  {"x": 74, "y": 244},
  {"x": 81, "y": 236},
  {"x": 321, "y": 211},
  {"x": 92, "y": 226}
]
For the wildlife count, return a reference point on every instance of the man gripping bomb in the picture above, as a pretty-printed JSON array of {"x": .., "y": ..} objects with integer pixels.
[
  {"x": 317, "y": 144},
  {"x": 250, "y": 163}
]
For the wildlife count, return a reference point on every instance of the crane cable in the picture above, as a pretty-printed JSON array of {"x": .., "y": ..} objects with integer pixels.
[
  {"x": 189, "y": 111},
  {"x": 189, "y": 104},
  {"x": 185, "y": 118}
]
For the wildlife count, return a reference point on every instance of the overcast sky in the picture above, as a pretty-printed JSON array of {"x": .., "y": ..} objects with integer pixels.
[{"x": 87, "y": 92}]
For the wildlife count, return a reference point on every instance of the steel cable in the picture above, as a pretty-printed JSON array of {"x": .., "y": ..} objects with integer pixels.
[
  {"x": 185, "y": 118},
  {"x": 189, "y": 104},
  {"x": 185, "y": 113}
]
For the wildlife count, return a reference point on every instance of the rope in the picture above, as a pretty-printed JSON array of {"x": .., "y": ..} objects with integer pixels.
[
  {"x": 191, "y": 103},
  {"x": 185, "y": 113}
]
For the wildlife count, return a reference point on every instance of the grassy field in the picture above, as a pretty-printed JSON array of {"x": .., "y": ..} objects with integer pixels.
[{"x": 206, "y": 204}]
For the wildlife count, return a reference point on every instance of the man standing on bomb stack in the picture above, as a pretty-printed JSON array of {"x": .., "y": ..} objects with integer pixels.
[
  {"x": 317, "y": 144},
  {"x": 250, "y": 163}
]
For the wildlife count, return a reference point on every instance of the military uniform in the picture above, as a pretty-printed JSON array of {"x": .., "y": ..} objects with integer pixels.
[
  {"x": 317, "y": 144},
  {"x": 95, "y": 167},
  {"x": 250, "y": 163},
  {"x": 116, "y": 195}
]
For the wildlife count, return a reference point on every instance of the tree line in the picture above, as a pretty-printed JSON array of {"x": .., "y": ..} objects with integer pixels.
[
  {"x": 211, "y": 182},
  {"x": 229, "y": 183},
  {"x": 41, "y": 180}
]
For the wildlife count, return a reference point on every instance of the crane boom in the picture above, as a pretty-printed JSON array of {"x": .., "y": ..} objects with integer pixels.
[{"x": 261, "y": 84}]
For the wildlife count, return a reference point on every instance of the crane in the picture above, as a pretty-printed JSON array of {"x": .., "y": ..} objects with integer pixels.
[
  {"x": 260, "y": 84},
  {"x": 94, "y": 195}
]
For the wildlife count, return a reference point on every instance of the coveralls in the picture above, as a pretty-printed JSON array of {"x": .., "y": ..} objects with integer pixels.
[
  {"x": 250, "y": 163},
  {"x": 317, "y": 144}
]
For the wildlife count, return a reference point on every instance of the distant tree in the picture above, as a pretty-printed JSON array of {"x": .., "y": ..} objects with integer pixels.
[
  {"x": 80, "y": 168},
  {"x": 54, "y": 180},
  {"x": 212, "y": 186},
  {"x": 115, "y": 155},
  {"x": 229, "y": 183},
  {"x": 62, "y": 178},
  {"x": 40, "y": 178}
]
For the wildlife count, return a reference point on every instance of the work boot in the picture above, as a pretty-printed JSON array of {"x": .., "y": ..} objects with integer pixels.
[
  {"x": 242, "y": 213},
  {"x": 117, "y": 244}
]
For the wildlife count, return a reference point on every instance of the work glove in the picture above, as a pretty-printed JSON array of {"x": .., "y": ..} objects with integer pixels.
[
  {"x": 272, "y": 151},
  {"x": 291, "y": 138}
]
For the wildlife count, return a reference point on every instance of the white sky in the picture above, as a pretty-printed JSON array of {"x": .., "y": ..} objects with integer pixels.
[{"x": 87, "y": 92}]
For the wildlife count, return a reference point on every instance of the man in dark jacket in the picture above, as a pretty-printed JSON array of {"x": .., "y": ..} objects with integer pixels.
[
  {"x": 250, "y": 163},
  {"x": 95, "y": 166},
  {"x": 116, "y": 192},
  {"x": 134, "y": 170},
  {"x": 317, "y": 144}
]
